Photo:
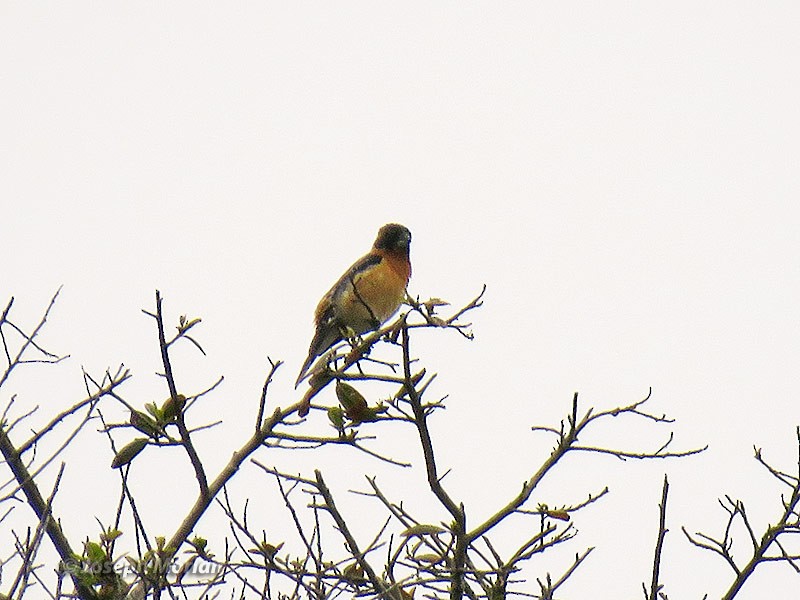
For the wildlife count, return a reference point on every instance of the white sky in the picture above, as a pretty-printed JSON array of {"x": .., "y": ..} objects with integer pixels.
[{"x": 623, "y": 177}]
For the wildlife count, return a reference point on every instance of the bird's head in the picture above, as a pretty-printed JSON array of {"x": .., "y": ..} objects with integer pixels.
[{"x": 393, "y": 238}]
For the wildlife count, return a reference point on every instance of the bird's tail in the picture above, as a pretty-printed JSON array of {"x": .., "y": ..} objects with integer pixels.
[{"x": 324, "y": 338}]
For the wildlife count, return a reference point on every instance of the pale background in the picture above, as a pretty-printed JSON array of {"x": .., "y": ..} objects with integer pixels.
[{"x": 622, "y": 176}]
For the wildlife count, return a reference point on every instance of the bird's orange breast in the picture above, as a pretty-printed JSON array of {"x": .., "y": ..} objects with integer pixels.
[{"x": 375, "y": 294}]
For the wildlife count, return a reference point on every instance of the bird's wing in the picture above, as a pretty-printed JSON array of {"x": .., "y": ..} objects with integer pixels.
[
  {"x": 329, "y": 307},
  {"x": 328, "y": 316}
]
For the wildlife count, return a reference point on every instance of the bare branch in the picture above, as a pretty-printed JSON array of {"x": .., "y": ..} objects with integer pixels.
[
  {"x": 186, "y": 440},
  {"x": 352, "y": 545},
  {"x": 118, "y": 379},
  {"x": 263, "y": 400},
  {"x": 787, "y": 524},
  {"x": 28, "y": 340},
  {"x": 32, "y": 547},
  {"x": 459, "y": 525},
  {"x": 40, "y": 508},
  {"x": 655, "y": 586}
]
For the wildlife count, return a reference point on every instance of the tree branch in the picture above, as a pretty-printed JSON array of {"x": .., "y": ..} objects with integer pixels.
[
  {"x": 655, "y": 586},
  {"x": 457, "y": 511},
  {"x": 186, "y": 440}
]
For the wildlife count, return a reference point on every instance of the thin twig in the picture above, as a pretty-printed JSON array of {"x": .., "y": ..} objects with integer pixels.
[
  {"x": 173, "y": 392},
  {"x": 352, "y": 545},
  {"x": 655, "y": 586}
]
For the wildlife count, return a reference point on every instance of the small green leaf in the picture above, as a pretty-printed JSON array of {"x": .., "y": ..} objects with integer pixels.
[
  {"x": 336, "y": 417},
  {"x": 85, "y": 578},
  {"x": 268, "y": 550},
  {"x": 199, "y": 543},
  {"x": 143, "y": 423},
  {"x": 422, "y": 529},
  {"x": 369, "y": 415},
  {"x": 128, "y": 453},
  {"x": 173, "y": 407},
  {"x": 429, "y": 558},
  {"x": 353, "y": 573},
  {"x": 355, "y": 406},
  {"x": 94, "y": 553},
  {"x": 110, "y": 535}
]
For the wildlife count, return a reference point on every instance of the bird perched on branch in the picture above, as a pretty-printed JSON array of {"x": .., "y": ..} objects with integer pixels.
[{"x": 368, "y": 293}]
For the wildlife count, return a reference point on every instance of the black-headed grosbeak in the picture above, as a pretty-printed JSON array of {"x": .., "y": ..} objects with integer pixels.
[{"x": 368, "y": 293}]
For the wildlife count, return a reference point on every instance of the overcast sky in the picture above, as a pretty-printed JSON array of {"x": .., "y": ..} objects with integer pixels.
[{"x": 622, "y": 176}]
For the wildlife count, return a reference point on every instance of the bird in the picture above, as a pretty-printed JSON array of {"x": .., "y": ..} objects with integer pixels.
[{"x": 365, "y": 296}]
